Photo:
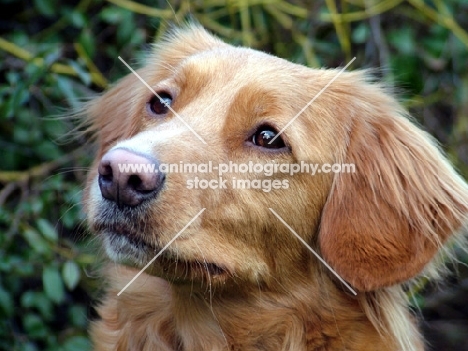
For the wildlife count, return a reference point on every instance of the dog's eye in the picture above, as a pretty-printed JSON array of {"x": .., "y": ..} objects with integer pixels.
[
  {"x": 160, "y": 105},
  {"x": 264, "y": 135}
]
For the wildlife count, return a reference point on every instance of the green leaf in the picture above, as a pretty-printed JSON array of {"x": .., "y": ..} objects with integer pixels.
[
  {"x": 51, "y": 57},
  {"x": 71, "y": 274},
  {"x": 36, "y": 241},
  {"x": 361, "y": 33},
  {"x": 77, "y": 343},
  {"x": 53, "y": 284},
  {"x": 406, "y": 69},
  {"x": 45, "y": 7},
  {"x": 36, "y": 206},
  {"x": 36, "y": 299},
  {"x": 82, "y": 74},
  {"x": 30, "y": 346},
  {"x": 26, "y": 269},
  {"x": 126, "y": 29},
  {"x": 48, "y": 150},
  {"x": 23, "y": 136},
  {"x": 34, "y": 325},
  {"x": 88, "y": 42},
  {"x": 19, "y": 98},
  {"x": 77, "y": 315},
  {"x": 47, "y": 229},
  {"x": 66, "y": 86},
  {"x": 112, "y": 15},
  {"x": 403, "y": 39},
  {"x": 77, "y": 19},
  {"x": 138, "y": 37},
  {"x": 54, "y": 127},
  {"x": 9, "y": 263},
  {"x": 6, "y": 302},
  {"x": 69, "y": 216}
]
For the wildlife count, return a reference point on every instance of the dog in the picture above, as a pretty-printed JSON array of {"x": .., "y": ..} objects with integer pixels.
[{"x": 233, "y": 268}]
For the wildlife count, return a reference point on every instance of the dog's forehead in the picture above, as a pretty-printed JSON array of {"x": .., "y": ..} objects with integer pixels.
[{"x": 227, "y": 63}]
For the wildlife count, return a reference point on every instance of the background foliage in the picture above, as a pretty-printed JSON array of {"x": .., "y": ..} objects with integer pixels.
[{"x": 54, "y": 53}]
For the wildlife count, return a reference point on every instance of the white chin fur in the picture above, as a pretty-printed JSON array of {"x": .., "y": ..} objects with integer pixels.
[{"x": 120, "y": 250}]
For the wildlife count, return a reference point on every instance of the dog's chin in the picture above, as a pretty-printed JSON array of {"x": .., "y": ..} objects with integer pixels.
[
  {"x": 135, "y": 252},
  {"x": 128, "y": 251}
]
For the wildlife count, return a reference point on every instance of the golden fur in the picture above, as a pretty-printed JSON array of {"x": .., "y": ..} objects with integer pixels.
[{"x": 378, "y": 228}]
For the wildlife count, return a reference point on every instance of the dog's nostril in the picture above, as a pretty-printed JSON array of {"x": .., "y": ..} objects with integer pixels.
[
  {"x": 135, "y": 182},
  {"x": 106, "y": 172}
]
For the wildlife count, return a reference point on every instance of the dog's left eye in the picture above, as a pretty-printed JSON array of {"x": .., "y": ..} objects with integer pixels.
[
  {"x": 160, "y": 105},
  {"x": 263, "y": 136}
]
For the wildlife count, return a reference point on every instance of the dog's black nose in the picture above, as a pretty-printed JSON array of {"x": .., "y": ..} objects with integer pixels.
[{"x": 129, "y": 178}]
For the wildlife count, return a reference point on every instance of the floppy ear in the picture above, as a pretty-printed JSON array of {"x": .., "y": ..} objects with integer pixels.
[{"x": 382, "y": 224}]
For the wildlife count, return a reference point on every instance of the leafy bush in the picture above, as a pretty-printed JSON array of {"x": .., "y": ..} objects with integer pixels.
[{"x": 53, "y": 54}]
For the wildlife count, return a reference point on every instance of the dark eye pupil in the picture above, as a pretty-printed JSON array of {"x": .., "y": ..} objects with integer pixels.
[
  {"x": 264, "y": 136},
  {"x": 160, "y": 105}
]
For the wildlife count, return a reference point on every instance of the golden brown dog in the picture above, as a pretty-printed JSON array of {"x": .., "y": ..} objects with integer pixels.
[{"x": 235, "y": 277}]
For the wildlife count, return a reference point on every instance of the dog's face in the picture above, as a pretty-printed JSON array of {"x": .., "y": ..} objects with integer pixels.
[{"x": 221, "y": 104}]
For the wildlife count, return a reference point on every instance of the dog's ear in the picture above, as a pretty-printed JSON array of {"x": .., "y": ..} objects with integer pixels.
[{"x": 382, "y": 224}]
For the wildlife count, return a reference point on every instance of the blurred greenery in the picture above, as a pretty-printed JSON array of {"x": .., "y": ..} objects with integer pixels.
[{"x": 54, "y": 54}]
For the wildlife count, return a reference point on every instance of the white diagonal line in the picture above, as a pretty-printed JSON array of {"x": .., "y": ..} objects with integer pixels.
[
  {"x": 161, "y": 251},
  {"x": 311, "y": 101},
  {"x": 155, "y": 93},
  {"x": 312, "y": 250}
]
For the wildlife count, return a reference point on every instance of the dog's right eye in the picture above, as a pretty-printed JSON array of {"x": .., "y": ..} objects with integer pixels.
[
  {"x": 160, "y": 105},
  {"x": 264, "y": 135}
]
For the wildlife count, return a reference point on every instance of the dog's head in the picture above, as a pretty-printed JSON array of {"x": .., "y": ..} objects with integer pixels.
[{"x": 376, "y": 226}]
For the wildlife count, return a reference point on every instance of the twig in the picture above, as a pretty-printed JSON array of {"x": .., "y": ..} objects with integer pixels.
[{"x": 37, "y": 171}]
